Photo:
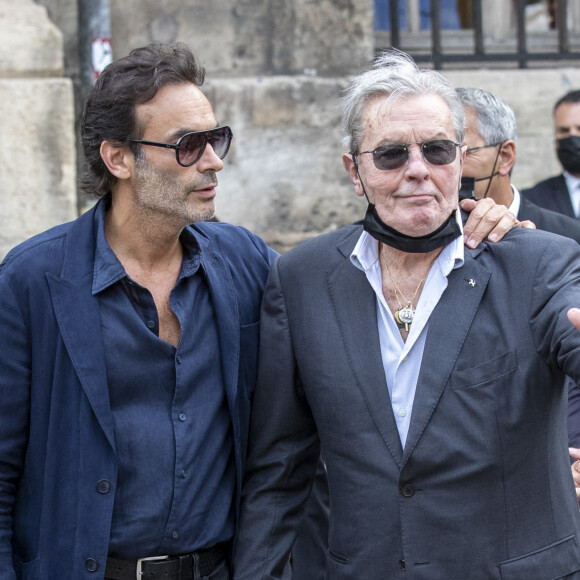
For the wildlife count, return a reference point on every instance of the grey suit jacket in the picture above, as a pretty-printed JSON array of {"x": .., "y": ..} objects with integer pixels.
[
  {"x": 482, "y": 489},
  {"x": 552, "y": 194}
]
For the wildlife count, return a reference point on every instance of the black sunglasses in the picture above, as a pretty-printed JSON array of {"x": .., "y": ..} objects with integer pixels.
[
  {"x": 436, "y": 152},
  {"x": 191, "y": 146}
]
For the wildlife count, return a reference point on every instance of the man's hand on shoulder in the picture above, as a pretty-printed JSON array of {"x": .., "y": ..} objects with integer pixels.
[{"x": 488, "y": 219}]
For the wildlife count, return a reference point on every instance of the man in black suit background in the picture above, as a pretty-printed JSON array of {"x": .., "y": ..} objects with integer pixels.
[{"x": 561, "y": 193}]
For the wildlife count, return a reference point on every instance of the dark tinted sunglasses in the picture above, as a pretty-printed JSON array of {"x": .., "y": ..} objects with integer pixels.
[
  {"x": 191, "y": 146},
  {"x": 436, "y": 152}
]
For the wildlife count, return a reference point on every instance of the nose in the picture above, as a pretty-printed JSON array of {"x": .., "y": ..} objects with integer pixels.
[
  {"x": 416, "y": 165},
  {"x": 209, "y": 160}
]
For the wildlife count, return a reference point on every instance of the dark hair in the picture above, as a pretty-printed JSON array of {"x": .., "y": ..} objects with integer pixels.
[
  {"x": 570, "y": 97},
  {"x": 109, "y": 113}
]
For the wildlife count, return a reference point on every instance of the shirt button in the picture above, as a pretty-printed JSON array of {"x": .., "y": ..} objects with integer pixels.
[
  {"x": 402, "y": 412},
  {"x": 91, "y": 565},
  {"x": 402, "y": 564},
  {"x": 178, "y": 359},
  {"x": 103, "y": 486},
  {"x": 151, "y": 324},
  {"x": 183, "y": 473},
  {"x": 175, "y": 534},
  {"x": 408, "y": 490},
  {"x": 182, "y": 416}
]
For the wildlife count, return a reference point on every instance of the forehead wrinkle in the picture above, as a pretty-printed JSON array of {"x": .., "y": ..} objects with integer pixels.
[{"x": 410, "y": 125}]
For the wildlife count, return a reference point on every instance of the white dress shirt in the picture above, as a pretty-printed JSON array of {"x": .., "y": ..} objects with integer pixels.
[
  {"x": 516, "y": 201},
  {"x": 573, "y": 185},
  {"x": 402, "y": 360}
]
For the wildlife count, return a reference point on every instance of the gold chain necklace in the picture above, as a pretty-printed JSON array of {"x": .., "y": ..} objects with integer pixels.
[{"x": 405, "y": 313}]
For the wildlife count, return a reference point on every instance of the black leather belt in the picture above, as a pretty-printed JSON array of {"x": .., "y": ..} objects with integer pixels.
[{"x": 183, "y": 567}]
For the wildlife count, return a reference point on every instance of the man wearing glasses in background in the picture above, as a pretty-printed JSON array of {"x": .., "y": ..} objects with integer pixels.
[
  {"x": 128, "y": 347},
  {"x": 430, "y": 377},
  {"x": 490, "y": 138}
]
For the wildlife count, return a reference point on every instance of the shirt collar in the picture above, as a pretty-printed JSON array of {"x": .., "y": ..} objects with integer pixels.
[
  {"x": 108, "y": 269},
  {"x": 516, "y": 201},
  {"x": 366, "y": 252},
  {"x": 571, "y": 180},
  {"x": 573, "y": 185}
]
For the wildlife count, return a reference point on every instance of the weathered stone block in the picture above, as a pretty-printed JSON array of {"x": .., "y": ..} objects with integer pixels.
[
  {"x": 284, "y": 172},
  {"x": 37, "y": 157},
  {"x": 31, "y": 43},
  {"x": 321, "y": 37}
]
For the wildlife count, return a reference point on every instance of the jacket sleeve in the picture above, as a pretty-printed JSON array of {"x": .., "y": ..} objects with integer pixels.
[
  {"x": 15, "y": 376},
  {"x": 283, "y": 450},
  {"x": 556, "y": 289}
]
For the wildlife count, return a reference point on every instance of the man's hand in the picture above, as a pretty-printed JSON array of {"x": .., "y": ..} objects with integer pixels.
[
  {"x": 487, "y": 218},
  {"x": 575, "y": 454},
  {"x": 574, "y": 318}
]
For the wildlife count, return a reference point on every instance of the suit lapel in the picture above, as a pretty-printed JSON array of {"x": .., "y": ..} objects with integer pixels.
[
  {"x": 355, "y": 308},
  {"x": 448, "y": 326},
  {"x": 225, "y": 306},
  {"x": 561, "y": 197},
  {"x": 78, "y": 318}
]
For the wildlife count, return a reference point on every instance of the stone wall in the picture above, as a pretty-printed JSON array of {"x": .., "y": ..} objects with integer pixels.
[
  {"x": 37, "y": 149},
  {"x": 531, "y": 94},
  {"x": 253, "y": 37},
  {"x": 276, "y": 70}
]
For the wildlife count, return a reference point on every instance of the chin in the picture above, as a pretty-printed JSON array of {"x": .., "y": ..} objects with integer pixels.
[{"x": 423, "y": 223}]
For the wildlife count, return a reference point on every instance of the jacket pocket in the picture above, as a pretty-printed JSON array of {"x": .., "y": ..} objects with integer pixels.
[
  {"x": 28, "y": 570},
  {"x": 486, "y": 372},
  {"x": 337, "y": 557},
  {"x": 549, "y": 563}
]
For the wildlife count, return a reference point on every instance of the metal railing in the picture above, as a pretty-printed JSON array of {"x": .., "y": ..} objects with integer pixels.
[{"x": 557, "y": 46}]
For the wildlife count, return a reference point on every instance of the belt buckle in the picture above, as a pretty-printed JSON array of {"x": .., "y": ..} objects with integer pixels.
[{"x": 150, "y": 559}]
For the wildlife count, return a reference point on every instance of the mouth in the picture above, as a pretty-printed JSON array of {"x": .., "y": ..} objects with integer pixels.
[
  {"x": 418, "y": 196},
  {"x": 208, "y": 191}
]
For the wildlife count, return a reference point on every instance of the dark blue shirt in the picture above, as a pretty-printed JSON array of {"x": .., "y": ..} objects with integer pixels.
[{"x": 173, "y": 436}]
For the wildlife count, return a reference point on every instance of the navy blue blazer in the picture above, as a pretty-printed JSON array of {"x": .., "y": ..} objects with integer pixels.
[
  {"x": 57, "y": 447},
  {"x": 552, "y": 194}
]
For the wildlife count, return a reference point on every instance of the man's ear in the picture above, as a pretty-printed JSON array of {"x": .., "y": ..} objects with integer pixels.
[
  {"x": 352, "y": 170},
  {"x": 118, "y": 158},
  {"x": 507, "y": 157}
]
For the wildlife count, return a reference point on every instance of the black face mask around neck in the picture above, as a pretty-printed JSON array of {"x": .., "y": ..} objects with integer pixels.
[
  {"x": 467, "y": 188},
  {"x": 568, "y": 151},
  {"x": 379, "y": 230}
]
